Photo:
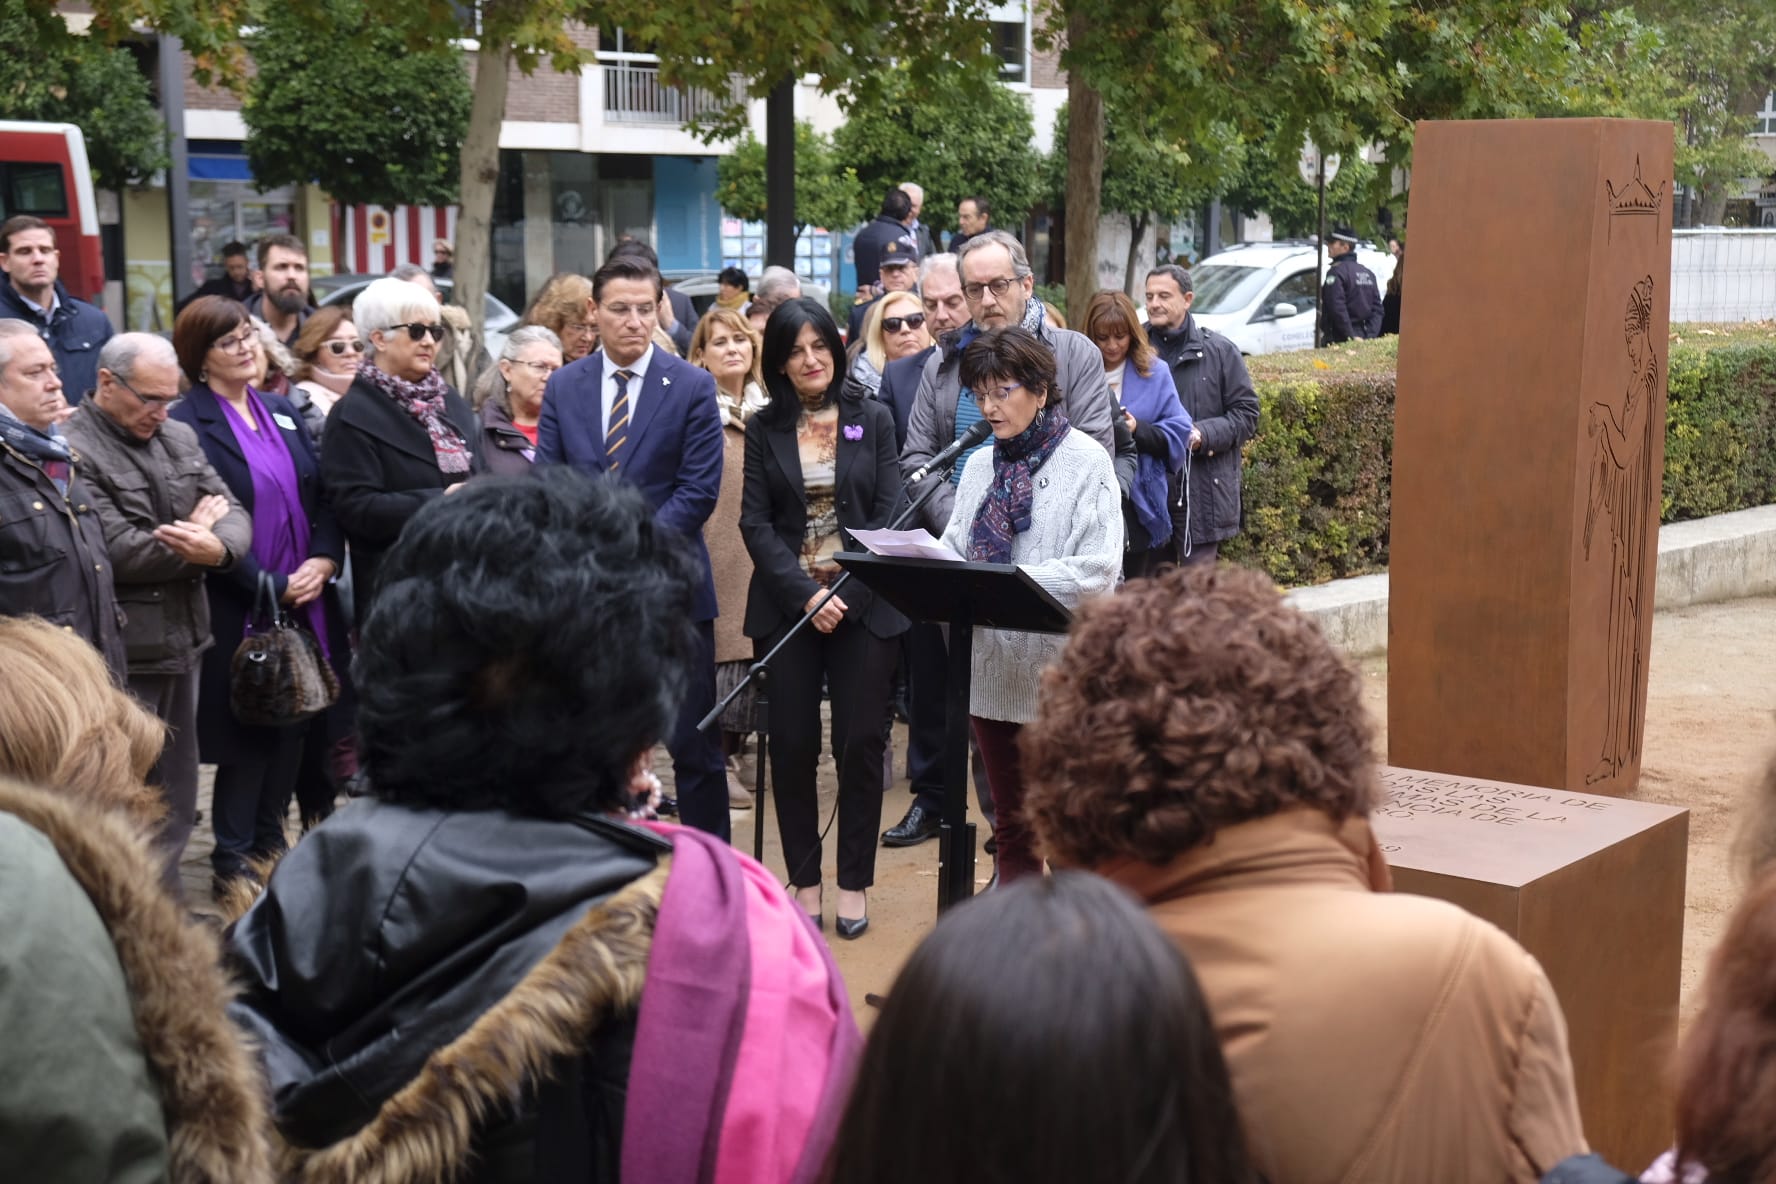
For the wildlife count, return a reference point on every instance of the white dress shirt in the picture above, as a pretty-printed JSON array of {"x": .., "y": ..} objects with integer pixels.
[{"x": 609, "y": 390}]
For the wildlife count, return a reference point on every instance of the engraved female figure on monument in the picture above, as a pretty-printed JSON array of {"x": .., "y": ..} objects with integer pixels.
[{"x": 1624, "y": 491}]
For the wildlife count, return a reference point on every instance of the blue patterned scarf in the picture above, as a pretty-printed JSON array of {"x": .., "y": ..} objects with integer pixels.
[
  {"x": 1005, "y": 513},
  {"x": 48, "y": 449}
]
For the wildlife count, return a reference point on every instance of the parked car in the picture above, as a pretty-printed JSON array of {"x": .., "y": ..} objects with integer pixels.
[
  {"x": 43, "y": 171},
  {"x": 343, "y": 289},
  {"x": 704, "y": 286},
  {"x": 1264, "y": 297}
]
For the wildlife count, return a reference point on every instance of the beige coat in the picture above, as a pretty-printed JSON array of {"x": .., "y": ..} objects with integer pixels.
[
  {"x": 728, "y": 559},
  {"x": 1373, "y": 1038}
]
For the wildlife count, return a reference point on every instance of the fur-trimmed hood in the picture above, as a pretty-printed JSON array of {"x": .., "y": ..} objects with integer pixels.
[
  {"x": 427, "y": 1132},
  {"x": 210, "y": 1095}
]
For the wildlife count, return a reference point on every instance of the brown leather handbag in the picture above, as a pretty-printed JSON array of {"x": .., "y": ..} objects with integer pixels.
[{"x": 278, "y": 676}]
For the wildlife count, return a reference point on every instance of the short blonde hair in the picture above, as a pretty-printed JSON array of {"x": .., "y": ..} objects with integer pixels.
[
  {"x": 873, "y": 342},
  {"x": 66, "y": 726},
  {"x": 733, "y": 320}
]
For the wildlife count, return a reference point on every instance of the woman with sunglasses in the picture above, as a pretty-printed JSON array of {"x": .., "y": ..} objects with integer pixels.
[
  {"x": 892, "y": 330},
  {"x": 509, "y": 399},
  {"x": 257, "y": 444},
  {"x": 327, "y": 353},
  {"x": 401, "y": 436}
]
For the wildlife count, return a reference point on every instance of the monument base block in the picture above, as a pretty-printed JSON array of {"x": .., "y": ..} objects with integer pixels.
[{"x": 1593, "y": 887}]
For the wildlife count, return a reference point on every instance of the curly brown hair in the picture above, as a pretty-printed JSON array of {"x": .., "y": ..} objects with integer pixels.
[{"x": 1184, "y": 704}]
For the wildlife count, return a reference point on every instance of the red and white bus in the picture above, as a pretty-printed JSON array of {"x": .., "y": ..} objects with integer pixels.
[{"x": 43, "y": 171}]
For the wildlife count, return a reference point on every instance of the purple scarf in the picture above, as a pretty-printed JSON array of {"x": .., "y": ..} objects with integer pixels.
[
  {"x": 280, "y": 527},
  {"x": 424, "y": 401},
  {"x": 1005, "y": 513}
]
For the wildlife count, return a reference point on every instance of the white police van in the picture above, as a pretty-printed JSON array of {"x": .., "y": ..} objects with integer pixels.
[{"x": 1264, "y": 297}]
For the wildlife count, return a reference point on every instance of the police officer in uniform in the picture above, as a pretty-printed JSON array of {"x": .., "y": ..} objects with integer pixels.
[{"x": 1350, "y": 301}]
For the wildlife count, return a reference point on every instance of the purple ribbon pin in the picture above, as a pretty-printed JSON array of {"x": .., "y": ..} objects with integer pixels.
[{"x": 853, "y": 431}]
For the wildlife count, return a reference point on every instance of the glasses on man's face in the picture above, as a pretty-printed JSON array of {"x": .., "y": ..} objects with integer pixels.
[
  {"x": 236, "y": 343},
  {"x": 152, "y": 402},
  {"x": 339, "y": 346},
  {"x": 623, "y": 312},
  {"x": 996, "y": 394},
  {"x": 416, "y": 330},
  {"x": 543, "y": 368},
  {"x": 893, "y": 324},
  {"x": 998, "y": 288}
]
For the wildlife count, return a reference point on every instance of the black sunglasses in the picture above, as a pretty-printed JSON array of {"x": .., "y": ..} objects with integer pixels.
[
  {"x": 912, "y": 321},
  {"x": 415, "y": 330},
  {"x": 341, "y": 348}
]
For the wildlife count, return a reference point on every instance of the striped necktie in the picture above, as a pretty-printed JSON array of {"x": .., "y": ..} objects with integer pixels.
[{"x": 618, "y": 433}]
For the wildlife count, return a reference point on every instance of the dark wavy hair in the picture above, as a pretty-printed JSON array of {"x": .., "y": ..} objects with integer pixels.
[
  {"x": 200, "y": 325},
  {"x": 1055, "y": 1066},
  {"x": 780, "y": 336},
  {"x": 1011, "y": 352},
  {"x": 1184, "y": 704},
  {"x": 529, "y": 639}
]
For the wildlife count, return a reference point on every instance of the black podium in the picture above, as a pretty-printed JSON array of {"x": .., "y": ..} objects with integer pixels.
[{"x": 962, "y": 596}]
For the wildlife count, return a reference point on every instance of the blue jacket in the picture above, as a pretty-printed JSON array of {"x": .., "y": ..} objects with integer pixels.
[
  {"x": 75, "y": 331},
  {"x": 674, "y": 453},
  {"x": 900, "y": 382},
  {"x": 1162, "y": 440}
]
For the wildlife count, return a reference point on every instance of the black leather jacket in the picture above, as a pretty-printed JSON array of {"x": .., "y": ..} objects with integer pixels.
[{"x": 389, "y": 930}]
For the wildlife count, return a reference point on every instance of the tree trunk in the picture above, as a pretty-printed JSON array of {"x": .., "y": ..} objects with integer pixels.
[
  {"x": 1137, "y": 232},
  {"x": 1718, "y": 189},
  {"x": 1085, "y": 178},
  {"x": 480, "y": 173}
]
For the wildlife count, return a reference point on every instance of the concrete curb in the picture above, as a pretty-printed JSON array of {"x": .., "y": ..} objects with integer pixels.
[{"x": 1727, "y": 557}]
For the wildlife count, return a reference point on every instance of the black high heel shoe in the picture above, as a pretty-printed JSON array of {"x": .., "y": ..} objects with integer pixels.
[{"x": 851, "y": 928}]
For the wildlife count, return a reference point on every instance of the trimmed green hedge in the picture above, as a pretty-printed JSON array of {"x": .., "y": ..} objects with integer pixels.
[{"x": 1318, "y": 475}]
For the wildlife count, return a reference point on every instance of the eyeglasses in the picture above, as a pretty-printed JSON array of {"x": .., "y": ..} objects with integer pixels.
[
  {"x": 998, "y": 288},
  {"x": 996, "y": 394},
  {"x": 238, "y": 343},
  {"x": 577, "y": 328},
  {"x": 155, "y": 402},
  {"x": 339, "y": 347},
  {"x": 893, "y": 324},
  {"x": 416, "y": 330},
  {"x": 623, "y": 312},
  {"x": 543, "y": 368}
]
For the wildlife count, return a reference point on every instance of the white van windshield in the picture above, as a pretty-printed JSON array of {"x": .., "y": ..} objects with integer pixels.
[{"x": 1221, "y": 288}]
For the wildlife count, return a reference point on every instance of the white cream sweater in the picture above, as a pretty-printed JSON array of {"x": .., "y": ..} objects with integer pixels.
[{"x": 1073, "y": 549}]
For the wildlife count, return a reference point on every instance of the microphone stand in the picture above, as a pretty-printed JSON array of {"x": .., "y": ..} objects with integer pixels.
[{"x": 760, "y": 674}]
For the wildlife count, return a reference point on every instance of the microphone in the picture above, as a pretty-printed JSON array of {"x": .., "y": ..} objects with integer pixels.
[{"x": 943, "y": 460}]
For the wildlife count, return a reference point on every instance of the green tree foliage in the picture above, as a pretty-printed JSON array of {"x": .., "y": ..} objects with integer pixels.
[
  {"x": 340, "y": 101},
  {"x": 955, "y": 142},
  {"x": 827, "y": 191},
  {"x": 1704, "y": 69},
  {"x": 1347, "y": 74},
  {"x": 1270, "y": 182},
  {"x": 1149, "y": 176},
  {"x": 56, "y": 76}
]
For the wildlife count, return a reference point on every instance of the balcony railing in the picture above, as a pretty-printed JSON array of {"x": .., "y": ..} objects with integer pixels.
[{"x": 634, "y": 94}]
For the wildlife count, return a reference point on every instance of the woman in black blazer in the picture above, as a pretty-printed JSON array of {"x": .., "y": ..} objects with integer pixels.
[
  {"x": 820, "y": 460},
  {"x": 399, "y": 437},
  {"x": 257, "y": 443}
]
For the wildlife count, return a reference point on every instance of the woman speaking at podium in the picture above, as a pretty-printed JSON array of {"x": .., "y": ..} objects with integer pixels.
[{"x": 1045, "y": 498}]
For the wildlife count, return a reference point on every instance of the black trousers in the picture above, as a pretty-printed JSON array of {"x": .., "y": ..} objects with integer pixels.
[
  {"x": 173, "y": 699},
  {"x": 251, "y": 801},
  {"x": 859, "y": 670},
  {"x": 928, "y": 681},
  {"x": 699, "y": 772}
]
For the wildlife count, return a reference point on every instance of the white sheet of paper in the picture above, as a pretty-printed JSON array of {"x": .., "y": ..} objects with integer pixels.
[{"x": 906, "y": 544}]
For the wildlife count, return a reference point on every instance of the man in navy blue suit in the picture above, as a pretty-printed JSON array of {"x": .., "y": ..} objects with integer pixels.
[{"x": 645, "y": 417}]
